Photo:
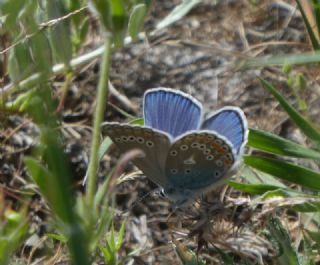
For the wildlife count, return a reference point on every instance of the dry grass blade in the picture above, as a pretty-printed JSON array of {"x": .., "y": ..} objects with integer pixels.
[{"x": 121, "y": 164}]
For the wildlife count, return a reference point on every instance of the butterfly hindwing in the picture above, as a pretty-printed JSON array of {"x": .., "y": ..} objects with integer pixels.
[
  {"x": 231, "y": 123},
  {"x": 171, "y": 111},
  {"x": 198, "y": 160},
  {"x": 154, "y": 144}
]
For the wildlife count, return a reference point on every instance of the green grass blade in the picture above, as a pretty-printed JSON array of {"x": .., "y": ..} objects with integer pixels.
[
  {"x": 177, "y": 13},
  {"x": 307, "y": 207},
  {"x": 137, "y": 121},
  {"x": 286, "y": 171},
  {"x": 108, "y": 254},
  {"x": 120, "y": 236},
  {"x": 136, "y": 20},
  {"x": 299, "y": 120},
  {"x": 297, "y": 201},
  {"x": 186, "y": 256},
  {"x": 60, "y": 34},
  {"x": 253, "y": 176},
  {"x": 39, "y": 174},
  {"x": 312, "y": 36},
  {"x": 104, "y": 147},
  {"x": 287, "y": 59},
  {"x": 287, "y": 254},
  {"x": 316, "y": 9},
  {"x": 315, "y": 236},
  {"x": 253, "y": 188},
  {"x": 14, "y": 227},
  {"x": 272, "y": 143}
]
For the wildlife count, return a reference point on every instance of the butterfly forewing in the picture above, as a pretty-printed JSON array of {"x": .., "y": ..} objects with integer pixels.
[
  {"x": 198, "y": 160},
  {"x": 154, "y": 144},
  {"x": 171, "y": 111}
]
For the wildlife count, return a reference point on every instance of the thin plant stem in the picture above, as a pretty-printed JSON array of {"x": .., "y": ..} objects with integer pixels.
[
  {"x": 98, "y": 118},
  {"x": 65, "y": 89},
  {"x": 58, "y": 69}
]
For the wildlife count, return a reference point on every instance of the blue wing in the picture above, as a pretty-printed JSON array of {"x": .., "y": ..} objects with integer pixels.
[
  {"x": 231, "y": 123},
  {"x": 171, "y": 111}
]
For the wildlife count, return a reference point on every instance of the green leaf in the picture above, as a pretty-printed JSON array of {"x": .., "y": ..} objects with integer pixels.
[
  {"x": 186, "y": 256},
  {"x": 13, "y": 228},
  {"x": 48, "y": 186},
  {"x": 257, "y": 177},
  {"x": 315, "y": 236},
  {"x": 112, "y": 240},
  {"x": 299, "y": 120},
  {"x": 297, "y": 201},
  {"x": 41, "y": 51},
  {"x": 138, "y": 121},
  {"x": 315, "y": 217},
  {"x": 312, "y": 36},
  {"x": 38, "y": 44},
  {"x": 136, "y": 20},
  {"x": 27, "y": 15},
  {"x": 39, "y": 175},
  {"x": 271, "y": 195},
  {"x": 119, "y": 21},
  {"x": 22, "y": 102},
  {"x": 177, "y": 13},
  {"x": 316, "y": 10},
  {"x": 13, "y": 218},
  {"x": 287, "y": 254},
  {"x": 272, "y": 143},
  {"x": 20, "y": 63},
  {"x": 252, "y": 188},
  {"x": 55, "y": 177},
  {"x": 83, "y": 31},
  {"x": 74, "y": 5},
  {"x": 108, "y": 254},
  {"x": 286, "y": 171},
  {"x": 287, "y": 198},
  {"x": 120, "y": 236},
  {"x": 60, "y": 33},
  {"x": 104, "y": 147},
  {"x": 10, "y": 11},
  {"x": 105, "y": 220},
  {"x": 102, "y": 8},
  {"x": 58, "y": 237},
  {"x": 307, "y": 207},
  {"x": 110, "y": 249}
]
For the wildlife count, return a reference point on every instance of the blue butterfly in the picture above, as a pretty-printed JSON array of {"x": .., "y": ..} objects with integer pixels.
[{"x": 185, "y": 153}]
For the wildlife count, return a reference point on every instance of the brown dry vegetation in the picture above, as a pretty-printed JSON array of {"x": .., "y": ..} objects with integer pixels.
[{"x": 201, "y": 55}]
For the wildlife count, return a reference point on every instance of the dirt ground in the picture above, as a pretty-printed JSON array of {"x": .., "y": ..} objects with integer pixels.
[{"x": 201, "y": 54}]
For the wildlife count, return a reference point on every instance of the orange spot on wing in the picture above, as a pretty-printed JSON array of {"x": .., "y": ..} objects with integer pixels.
[
  {"x": 219, "y": 149},
  {"x": 147, "y": 135},
  {"x": 227, "y": 162}
]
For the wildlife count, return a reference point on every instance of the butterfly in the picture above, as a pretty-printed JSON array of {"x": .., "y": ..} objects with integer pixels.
[{"x": 186, "y": 154}]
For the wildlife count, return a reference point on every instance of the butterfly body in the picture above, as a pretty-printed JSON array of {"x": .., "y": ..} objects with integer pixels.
[{"x": 184, "y": 154}]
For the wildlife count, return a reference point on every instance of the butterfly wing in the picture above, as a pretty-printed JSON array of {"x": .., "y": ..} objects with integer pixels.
[
  {"x": 171, "y": 111},
  {"x": 154, "y": 144},
  {"x": 231, "y": 123},
  {"x": 196, "y": 162}
]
